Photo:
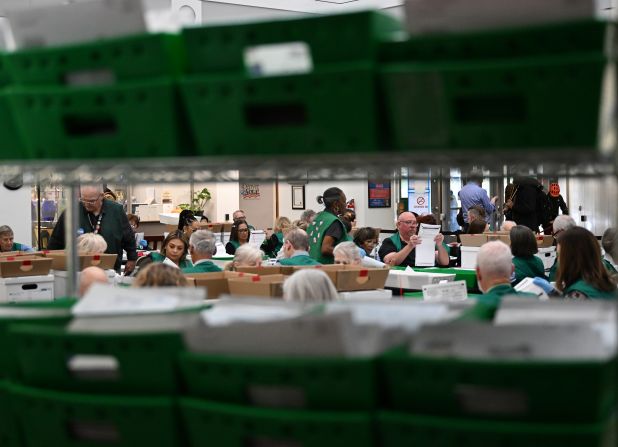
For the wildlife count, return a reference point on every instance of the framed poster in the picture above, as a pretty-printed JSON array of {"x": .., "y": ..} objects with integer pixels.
[
  {"x": 379, "y": 194},
  {"x": 298, "y": 197}
]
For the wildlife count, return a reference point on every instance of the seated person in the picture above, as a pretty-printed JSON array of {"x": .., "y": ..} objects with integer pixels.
[
  {"x": 89, "y": 243},
  {"x": 524, "y": 248},
  {"x": 274, "y": 242},
  {"x": 347, "y": 253},
  {"x": 296, "y": 249},
  {"x": 581, "y": 274},
  {"x": 507, "y": 225},
  {"x": 159, "y": 275},
  {"x": 187, "y": 223},
  {"x": 89, "y": 276},
  {"x": 246, "y": 256},
  {"x": 202, "y": 247},
  {"x": 494, "y": 268},
  {"x": 561, "y": 223},
  {"x": 399, "y": 249},
  {"x": 7, "y": 241},
  {"x": 366, "y": 239},
  {"x": 309, "y": 285},
  {"x": 174, "y": 250},
  {"x": 476, "y": 212},
  {"x": 477, "y": 226},
  {"x": 240, "y": 235},
  {"x": 608, "y": 242},
  {"x": 240, "y": 215}
]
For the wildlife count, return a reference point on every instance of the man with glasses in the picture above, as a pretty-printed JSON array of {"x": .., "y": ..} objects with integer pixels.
[
  {"x": 398, "y": 250},
  {"x": 105, "y": 217}
]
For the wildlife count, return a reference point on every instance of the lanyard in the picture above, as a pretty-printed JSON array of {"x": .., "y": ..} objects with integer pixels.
[{"x": 96, "y": 228}]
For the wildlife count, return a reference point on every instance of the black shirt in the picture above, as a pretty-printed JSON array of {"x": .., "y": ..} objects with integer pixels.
[{"x": 388, "y": 247}]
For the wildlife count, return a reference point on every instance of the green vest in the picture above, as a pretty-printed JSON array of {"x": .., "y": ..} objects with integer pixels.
[
  {"x": 396, "y": 238},
  {"x": 202, "y": 267},
  {"x": 609, "y": 267},
  {"x": 590, "y": 291},
  {"x": 553, "y": 270},
  {"x": 323, "y": 220},
  {"x": 299, "y": 260},
  {"x": 530, "y": 267},
  {"x": 488, "y": 303},
  {"x": 158, "y": 257}
]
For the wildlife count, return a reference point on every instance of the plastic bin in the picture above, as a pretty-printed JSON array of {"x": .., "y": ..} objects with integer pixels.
[
  {"x": 9, "y": 432},
  {"x": 12, "y": 146},
  {"x": 330, "y": 110},
  {"x": 129, "y": 120},
  {"x": 310, "y": 383},
  {"x": 332, "y": 39},
  {"x": 536, "y": 391},
  {"x": 79, "y": 420},
  {"x": 101, "y": 62},
  {"x": 97, "y": 363},
  {"x": 537, "y": 102},
  {"x": 214, "y": 424},
  {"x": 400, "y": 429}
]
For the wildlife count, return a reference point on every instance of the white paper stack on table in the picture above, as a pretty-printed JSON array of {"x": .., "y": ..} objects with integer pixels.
[{"x": 415, "y": 279}]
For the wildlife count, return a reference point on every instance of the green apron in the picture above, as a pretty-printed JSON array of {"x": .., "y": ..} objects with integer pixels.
[
  {"x": 590, "y": 291},
  {"x": 322, "y": 222},
  {"x": 202, "y": 267},
  {"x": 299, "y": 260}
]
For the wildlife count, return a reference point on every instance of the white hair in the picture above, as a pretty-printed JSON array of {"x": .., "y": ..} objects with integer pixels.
[
  {"x": 91, "y": 243},
  {"x": 563, "y": 222},
  {"x": 495, "y": 260},
  {"x": 248, "y": 255},
  {"x": 309, "y": 285},
  {"x": 507, "y": 225},
  {"x": 203, "y": 242},
  {"x": 350, "y": 251}
]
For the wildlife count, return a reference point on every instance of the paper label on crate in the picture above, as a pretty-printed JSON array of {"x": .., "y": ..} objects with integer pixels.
[
  {"x": 445, "y": 292},
  {"x": 278, "y": 59},
  {"x": 223, "y": 316}
]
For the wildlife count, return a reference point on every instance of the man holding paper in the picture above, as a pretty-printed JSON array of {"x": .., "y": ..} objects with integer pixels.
[{"x": 406, "y": 248}]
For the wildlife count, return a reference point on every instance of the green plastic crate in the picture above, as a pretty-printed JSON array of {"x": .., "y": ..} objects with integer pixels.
[
  {"x": 12, "y": 146},
  {"x": 129, "y": 120},
  {"x": 400, "y": 429},
  {"x": 548, "y": 102},
  {"x": 332, "y": 39},
  {"x": 82, "y": 420},
  {"x": 107, "y": 61},
  {"x": 541, "y": 40},
  {"x": 214, "y": 424},
  {"x": 537, "y": 391},
  {"x": 8, "y": 360},
  {"x": 9, "y": 432},
  {"x": 330, "y": 110},
  {"x": 311, "y": 383},
  {"x": 141, "y": 363}
]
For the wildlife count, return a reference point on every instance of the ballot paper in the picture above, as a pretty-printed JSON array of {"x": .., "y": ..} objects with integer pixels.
[
  {"x": 171, "y": 263},
  {"x": 426, "y": 252},
  {"x": 445, "y": 292}
]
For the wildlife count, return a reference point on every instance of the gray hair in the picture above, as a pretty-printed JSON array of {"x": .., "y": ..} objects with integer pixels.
[
  {"x": 350, "y": 251},
  {"x": 248, "y": 255},
  {"x": 203, "y": 242},
  {"x": 608, "y": 241},
  {"x": 507, "y": 225},
  {"x": 309, "y": 285},
  {"x": 298, "y": 238},
  {"x": 91, "y": 243},
  {"x": 563, "y": 222},
  {"x": 495, "y": 260},
  {"x": 307, "y": 216},
  {"x": 5, "y": 229}
]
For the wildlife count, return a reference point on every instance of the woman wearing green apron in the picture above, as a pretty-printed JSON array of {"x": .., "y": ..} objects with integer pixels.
[
  {"x": 327, "y": 230},
  {"x": 239, "y": 235},
  {"x": 524, "y": 248}
]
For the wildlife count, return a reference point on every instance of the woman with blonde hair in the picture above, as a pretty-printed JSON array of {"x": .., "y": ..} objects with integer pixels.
[
  {"x": 273, "y": 244},
  {"x": 160, "y": 275},
  {"x": 174, "y": 250},
  {"x": 309, "y": 285},
  {"x": 246, "y": 256}
]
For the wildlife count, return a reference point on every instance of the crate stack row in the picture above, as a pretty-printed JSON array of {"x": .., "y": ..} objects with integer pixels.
[
  {"x": 348, "y": 83},
  {"x": 76, "y": 388}
]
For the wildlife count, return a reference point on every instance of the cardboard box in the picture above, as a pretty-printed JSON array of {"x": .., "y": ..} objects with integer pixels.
[
  {"x": 350, "y": 278},
  {"x": 544, "y": 241},
  {"x": 27, "y": 288},
  {"x": 105, "y": 261},
  {"x": 24, "y": 266},
  {"x": 415, "y": 280},
  {"x": 476, "y": 240},
  {"x": 216, "y": 283},
  {"x": 548, "y": 256},
  {"x": 214, "y": 227},
  {"x": 269, "y": 285},
  {"x": 268, "y": 270}
]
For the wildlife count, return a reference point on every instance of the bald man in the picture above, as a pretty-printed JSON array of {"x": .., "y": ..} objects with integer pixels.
[
  {"x": 399, "y": 249},
  {"x": 105, "y": 217},
  {"x": 89, "y": 276}
]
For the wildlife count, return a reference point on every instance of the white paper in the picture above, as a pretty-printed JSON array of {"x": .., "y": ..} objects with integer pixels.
[
  {"x": 168, "y": 261},
  {"x": 445, "y": 292},
  {"x": 278, "y": 59},
  {"x": 415, "y": 280},
  {"x": 426, "y": 252},
  {"x": 104, "y": 299}
]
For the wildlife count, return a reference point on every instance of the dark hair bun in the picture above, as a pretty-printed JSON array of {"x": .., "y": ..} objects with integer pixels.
[{"x": 320, "y": 200}]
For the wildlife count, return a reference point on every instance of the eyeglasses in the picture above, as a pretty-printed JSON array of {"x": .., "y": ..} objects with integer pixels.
[
  {"x": 90, "y": 202},
  {"x": 409, "y": 222}
]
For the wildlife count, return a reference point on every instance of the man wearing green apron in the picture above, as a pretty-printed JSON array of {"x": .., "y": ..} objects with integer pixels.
[
  {"x": 202, "y": 247},
  {"x": 296, "y": 249}
]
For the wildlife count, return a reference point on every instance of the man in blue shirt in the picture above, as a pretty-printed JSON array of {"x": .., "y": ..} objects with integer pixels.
[{"x": 472, "y": 194}]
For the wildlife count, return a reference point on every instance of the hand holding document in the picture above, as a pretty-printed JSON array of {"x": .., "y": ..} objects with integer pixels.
[{"x": 426, "y": 250}]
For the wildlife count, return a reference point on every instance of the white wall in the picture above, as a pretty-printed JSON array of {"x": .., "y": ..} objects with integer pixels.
[
  {"x": 17, "y": 212},
  {"x": 383, "y": 218},
  {"x": 595, "y": 198}
]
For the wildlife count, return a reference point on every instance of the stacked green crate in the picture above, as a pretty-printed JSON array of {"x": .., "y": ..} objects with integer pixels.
[
  {"x": 11, "y": 142},
  {"x": 325, "y": 103},
  {"x": 81, "y": 388},
  {"x": 105, "y": 99},
  {"x": 443, "y": 401},
  {"x": 537, "y": 87},
  {"x": 302, "y": 401}
]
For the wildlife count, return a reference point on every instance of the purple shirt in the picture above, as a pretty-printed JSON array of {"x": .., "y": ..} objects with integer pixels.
[{"x": 471, "y": 195}]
